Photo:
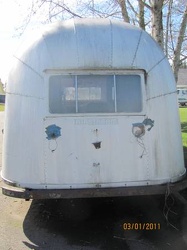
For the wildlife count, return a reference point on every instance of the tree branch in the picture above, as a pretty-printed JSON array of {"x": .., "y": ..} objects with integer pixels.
[{"x": 64, "y": 7}]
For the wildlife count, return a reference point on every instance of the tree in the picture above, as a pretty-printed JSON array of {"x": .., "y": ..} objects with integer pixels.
[
  {"x": 125, "y": 15},
  {"x": 1, "y": 88},
  {"x": 165, "y": 20},
  {"x": 141, "y": 14},
  {"x": 178, "y": 59},
  {"x": 156, "y": 7}
]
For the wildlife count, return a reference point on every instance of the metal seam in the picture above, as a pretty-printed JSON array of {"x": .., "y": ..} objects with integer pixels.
[
  {"x": 137, "y": 48},
  {"x": 19, "y": 94},
  {"x": 156, "y": 64},
  {"x": 76, "y": 36},
  {"x": 28, "y": 66},
  {"x": 111, "y": 39},
  {"x": 161, "y": 95}
]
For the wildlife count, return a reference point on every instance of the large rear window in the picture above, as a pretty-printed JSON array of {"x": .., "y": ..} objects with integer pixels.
[{"x": 95, "y": 94}]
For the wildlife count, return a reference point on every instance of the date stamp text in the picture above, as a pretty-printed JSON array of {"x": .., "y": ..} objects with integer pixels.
[{"x": 141, "y": 226}]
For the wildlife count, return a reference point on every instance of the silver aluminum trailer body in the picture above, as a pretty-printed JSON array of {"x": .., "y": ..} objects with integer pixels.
[{"x": 91, "y": 109}]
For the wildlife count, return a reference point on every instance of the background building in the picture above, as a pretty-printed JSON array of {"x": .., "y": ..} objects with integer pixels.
[{"x": 182, "y": 78}]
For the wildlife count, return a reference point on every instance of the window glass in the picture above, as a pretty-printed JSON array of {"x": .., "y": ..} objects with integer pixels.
[
  {"x": 62, "y": 94},
  {"x": 128, "y": 93},
  {"x": 95, "y": 94}
]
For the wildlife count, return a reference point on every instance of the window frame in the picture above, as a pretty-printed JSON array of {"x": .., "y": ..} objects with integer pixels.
[{"x": 77, "y": 73}]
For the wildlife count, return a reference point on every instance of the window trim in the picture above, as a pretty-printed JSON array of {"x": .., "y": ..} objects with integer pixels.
[{"x": 77, "y": 73}]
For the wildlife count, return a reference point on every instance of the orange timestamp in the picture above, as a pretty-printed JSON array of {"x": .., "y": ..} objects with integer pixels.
[{"x": 141, "y": 226}]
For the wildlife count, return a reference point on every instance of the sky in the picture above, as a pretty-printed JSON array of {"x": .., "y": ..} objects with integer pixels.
[{"x": 11, "y": 16}]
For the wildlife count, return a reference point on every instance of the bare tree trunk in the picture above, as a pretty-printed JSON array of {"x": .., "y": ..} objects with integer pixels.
[
  {"x": 168, "y": 26},
  {"x": 123, "y": 6},
  {"x": 177, "y": 52},
  {"x": 141, "y": 14},
  {"x": 157, "y": 26},
  {"x": 174, "y": 43}
]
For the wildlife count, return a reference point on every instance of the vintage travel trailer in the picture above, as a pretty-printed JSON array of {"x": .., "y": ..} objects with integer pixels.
[{"x": 91, "y": 111}]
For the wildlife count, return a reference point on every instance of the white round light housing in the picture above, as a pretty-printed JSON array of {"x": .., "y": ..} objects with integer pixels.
[{"x": 138, "y": 129}]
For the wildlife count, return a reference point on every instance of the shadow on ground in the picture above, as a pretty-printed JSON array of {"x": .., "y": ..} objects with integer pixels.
[
  {"x": 98, "y": 224},
  {"x": 185, "y": 155}
]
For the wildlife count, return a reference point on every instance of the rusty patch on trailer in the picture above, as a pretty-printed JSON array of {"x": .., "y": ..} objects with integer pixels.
[{"x": 95, "y": 192}]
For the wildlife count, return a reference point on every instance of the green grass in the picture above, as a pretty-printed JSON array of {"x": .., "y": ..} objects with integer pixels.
[
  {"x": 2, "y": 107},
  {"x": 183, "y": 118}
]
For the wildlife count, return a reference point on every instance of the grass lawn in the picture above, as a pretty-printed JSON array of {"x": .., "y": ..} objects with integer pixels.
[
  {"x": 2, "y": 107},
  {"x": 183, "y": 117}
]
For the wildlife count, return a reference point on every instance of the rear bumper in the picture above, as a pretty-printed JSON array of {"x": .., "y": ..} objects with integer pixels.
[{"x": 94, "y": 192}]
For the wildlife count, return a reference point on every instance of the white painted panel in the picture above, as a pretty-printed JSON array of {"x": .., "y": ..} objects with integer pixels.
[{"x": 72, "y": 159}]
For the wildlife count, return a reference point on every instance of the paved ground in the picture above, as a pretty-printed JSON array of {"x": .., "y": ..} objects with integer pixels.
[{"x": 92, "y": 224}]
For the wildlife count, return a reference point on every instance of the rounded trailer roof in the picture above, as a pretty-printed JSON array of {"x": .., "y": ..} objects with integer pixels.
[{"x": 91, "y": 44}]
